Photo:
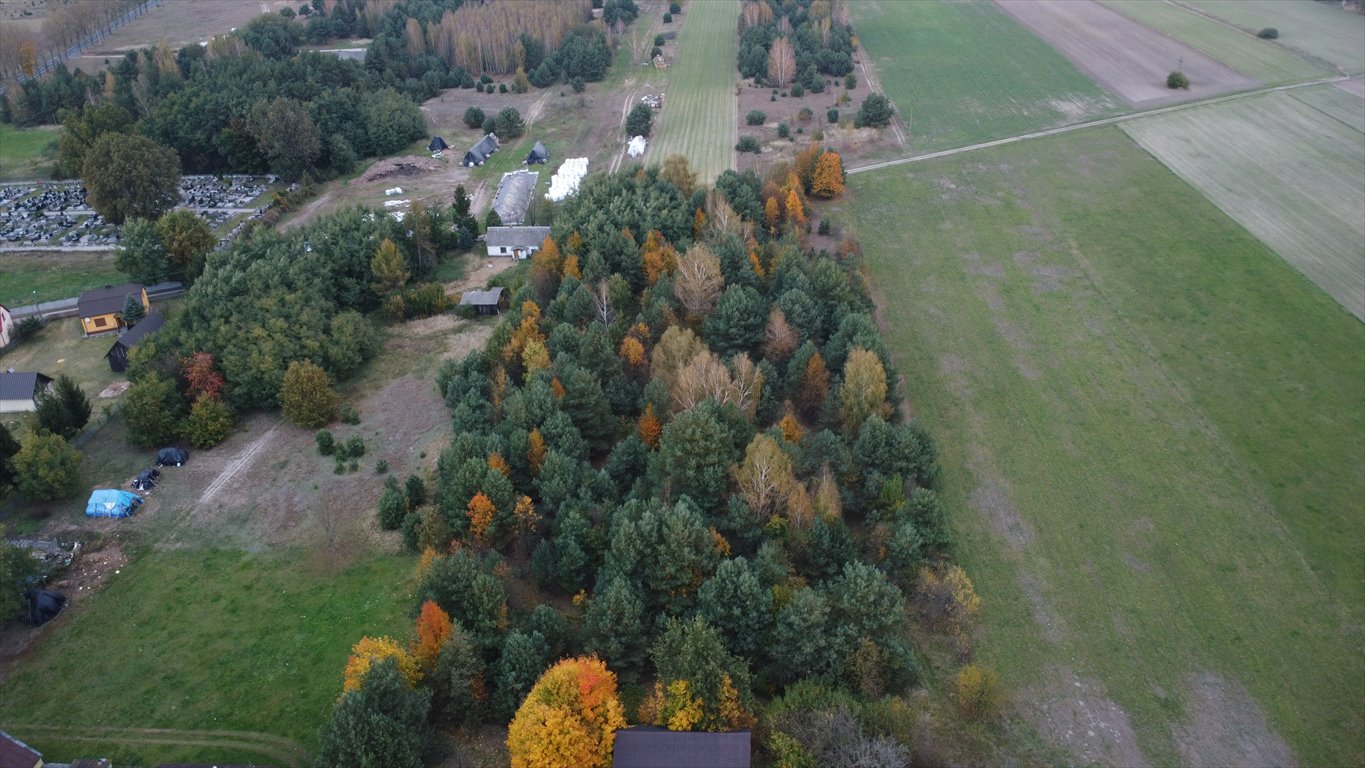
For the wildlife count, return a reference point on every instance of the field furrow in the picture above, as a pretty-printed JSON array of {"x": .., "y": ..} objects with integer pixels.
[{"x": 699, "y": 114}]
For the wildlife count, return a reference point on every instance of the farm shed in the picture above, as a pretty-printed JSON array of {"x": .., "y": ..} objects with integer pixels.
[
  {"x": 513, "y": 198},
  {"x": 486, "y": 302},
  {"x": 437, "y": 144},
  {"x": 101, "y": 310},
  {"x": 654, "y": 747},
  {"x": 479, "y": 153},
  {"x": 118, "y": 354},
  {"x": 6, "y": 327},
  {"x": 111, "y": 503},
  {"x": 19, "y": 390},
  {"x": 538, "y": 154},
  {"x": 517, "y": 242},
  {"x": 16, "y": 754}
]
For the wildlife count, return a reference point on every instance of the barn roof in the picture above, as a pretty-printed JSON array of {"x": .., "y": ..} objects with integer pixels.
[
  {"x": 14, "y": 752},
  {"x": 482, "y": 298},
  {"x": 21, "y": 385},
  {"x": 514, "y": 195},
  {"x": 516, "y": 237},
  {"x": 147, "y": 326},
  {"x": 107, "y": 300},
  {"x": 653, "y": 747}
]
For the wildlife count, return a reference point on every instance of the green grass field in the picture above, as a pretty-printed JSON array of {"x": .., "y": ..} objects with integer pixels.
[
  {"x": 62, "y": 348},
  {"x": 1153, "y": 439},
  {"x": 699, "y": 118},
  {"x": 1335, "y": 103},
  {"x": 205, "y": 640},
  {"x": 1319, "y": 29},
  {"x": 1288, "y": 172},
  {"x": 53, "y": 275},
  {"x": 1264, "y": 60},
  {"x": 962, "y": 73},
  {"x": 22, "y": 152}
]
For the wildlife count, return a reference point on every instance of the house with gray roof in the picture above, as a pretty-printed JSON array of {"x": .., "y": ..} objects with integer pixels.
[
  {"x": 19, "y": 390},
  {"x": 490, "y": 302},
  {"x": 517, "y": 242},
  {"x": 647, "y": 746}
]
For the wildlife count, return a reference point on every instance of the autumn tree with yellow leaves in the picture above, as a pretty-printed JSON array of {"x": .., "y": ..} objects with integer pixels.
[
  {"x": 569, "y": 719},
  {"x": 369, "y": 651}
]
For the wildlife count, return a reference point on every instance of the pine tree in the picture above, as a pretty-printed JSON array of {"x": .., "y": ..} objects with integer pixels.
[
  {"x": 132, "y": 310},
  {"x": 389, "y": 268}
]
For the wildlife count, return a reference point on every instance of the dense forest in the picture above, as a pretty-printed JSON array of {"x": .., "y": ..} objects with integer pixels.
[
  {"x": 795, "y": 41},
  {"x": 687, "y": 430}
]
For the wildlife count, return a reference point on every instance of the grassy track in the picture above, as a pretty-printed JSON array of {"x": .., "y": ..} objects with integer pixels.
[
  {"x": 1336, "y": 104},
  {"x": 961, "y": 73},
  {"x": 1319, "y": 29},
  {"x": 1153, "y": 432},
  {"x": 1307, "y": 200},
  {"x": 207, "y": 640},
  {"x": 699, "y": 115},
  {"x": 21, "y": 152},
  {"x": 1264, "y": 60}
]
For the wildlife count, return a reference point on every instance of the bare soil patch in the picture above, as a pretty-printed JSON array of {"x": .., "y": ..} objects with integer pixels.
[
  {"x": 1125, "y": 57},
  {"x": 851, "y": 143},
  {"x": 177, "y": 22},
  {"x": 1225, "y": 726},
  {"x": 91, "y": 569},
  {"x": 1076, "y": 713}
]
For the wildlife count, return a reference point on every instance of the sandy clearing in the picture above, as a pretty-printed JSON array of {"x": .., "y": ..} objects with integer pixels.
[
  {"x": 1127, "y": 58},
  {"x": 1225, "y": 726},
  {"x": 1077, "y": 713}
]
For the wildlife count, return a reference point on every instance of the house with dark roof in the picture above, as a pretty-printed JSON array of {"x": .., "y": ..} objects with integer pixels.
[
  {"x": 16, "y": 754},
  {"x": 118, "y": 354},
  {"x": 648, "y": 746},
  {"x": 517, "y": 242},
  {"x": 101, "y": 310},
  {"x": 19, "y": 390},
  {"x": 538, "y": 154},
  {"x": 479, "y": 153},
  {"x": 490, "y": 302}
]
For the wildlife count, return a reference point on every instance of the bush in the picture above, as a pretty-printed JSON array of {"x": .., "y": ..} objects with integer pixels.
[
  {"x": 875, "y": 112},
  {"x": 28, "y": 328},
  {"x": 1269, "y": 33},
  {"x": 473, "y": 117},
  {"x": 798, "y": 90},
  {"x": 349, "y": 415},
  {"x": 1177, "y": 80},
  {"x": 208, "y": 423},
  {"x": 490, "y": 124},
  {"x": 977, "y": 692},
  {"x": 502, "y": 87},
  {"x": 755, "y": 117},
  {"x": 392, "y": 506},
  {"x": 850, "y": 81},
  {"x": 748, "y": 144},
  {"x": 783, "y": 130},
  {"x": 577, "y": 84},
  {"x": 307, "y": 397},
  {"x": 675, "y": 7},
  {"x": 509, "y": 124},
  {"x": 832, "y": 116},
  {"x": 668, "y": 18},
  {"x": 46, "y": 467},
  {"x": 824, "y": 227},
  {"x": 640, "y": 120},
  {"x": 658, "y": 41},
  {"x": 381, "y": 466},
  {"x": 327, "y": 444},
  {"x": 152, "y": 410},
  {"x": 805, "y": 114},
  {"x": 355, "y": 447},
  {"x": 655, "y": 52}
]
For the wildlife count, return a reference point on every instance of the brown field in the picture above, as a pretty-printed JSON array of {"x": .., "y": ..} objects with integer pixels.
[
  {"x": 851, "y": 143},
  {"x": 1125, "y": 57},
  {"x": 178, "y": 22}
]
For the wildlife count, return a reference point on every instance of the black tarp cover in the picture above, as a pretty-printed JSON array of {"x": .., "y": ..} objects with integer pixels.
[
  {"x": 171, "y": 457},
  {"x": 42, "y": 606}
]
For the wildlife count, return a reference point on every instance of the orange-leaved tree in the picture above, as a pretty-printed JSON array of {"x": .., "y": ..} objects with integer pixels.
[
  {"x": 372, "y": 649},
  {"x": 433, "y": 627},
  {"x": 535, "y": 450},
  {"x": 829, "y": 176},
  {"x": 569, "y": 719},
  {"x": 480, "y": 511},
  {"x": 650, "y": 428}
]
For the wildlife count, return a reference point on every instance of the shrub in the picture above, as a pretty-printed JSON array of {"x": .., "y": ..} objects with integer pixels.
[
  {"x": 832, "y": 116},
  {"x": 658, "y": 41},
  {"x": 478, "y": 87},
  {"x": 509, "y": 124},
  {"x": 1269, "y": 33},
  {"x": 46, "y": 467},
  {"x": 577, "y": 84},
  {"x": 355, "y": 447},
  {"x": 772, "y": 97},
  {"x": 339, "y": 468},
  {"x": 748, "y": 144},
  {"x": 798, "y": 90},
  {"x": 1176, "y": 80},
  {"x": 485, "y": 79},
  {"x": 675, "y": 7},
  {"x": 490, "y": 124},
  {"x": 349, "y": 415},
  {"x": 755, "y": 117},
  {"x": 805, "y": 114},
  {"x": 850, "y": 81},
  {"x": 668, "y": 18},
  {"x": 209, "y": 422},
  {"x": 152, "y": 410},
  {"x": 655, "y": 51},
  {"x": 473, "y": 117},
  {"x": 824, "y": 227},
  {"x": 392, "y": 506},
  {"x": 353, "y": 466},
  {"x": 977, "y": 692},
  {"x": 502, "y": 87},
  {"x": 28, "y": 328},
  {"x": 307, "y": 397},
  {"x": 640, "y": 120},
  {"x": 326, "y": 443},
  {"x": 875, "y": 112},
  {"x": 381, "y": 466},
  {"x": 783, "y": 130}
]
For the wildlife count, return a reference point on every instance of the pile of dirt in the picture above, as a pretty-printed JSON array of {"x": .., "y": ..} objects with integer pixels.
[{"x": 401, "y": 166}]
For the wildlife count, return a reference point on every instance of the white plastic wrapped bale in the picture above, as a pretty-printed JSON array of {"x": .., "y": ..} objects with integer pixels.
[
  {"x": 637, "y": 146},
  {"x": 566, "y": 180}
]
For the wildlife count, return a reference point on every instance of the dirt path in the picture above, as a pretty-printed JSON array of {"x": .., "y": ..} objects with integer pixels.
[
  {"x": 621, "y": 126},
  {"x": 279, "y": 749},
  {"x": 237, "y": 464},
  {"x": 1093, "y": 123},
  {"x": 898, "y": 126}
]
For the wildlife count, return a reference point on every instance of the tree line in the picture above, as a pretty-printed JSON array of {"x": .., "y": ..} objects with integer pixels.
[
  {"x": 795, "y": 42},
  {"x": 687, "y": 424}
]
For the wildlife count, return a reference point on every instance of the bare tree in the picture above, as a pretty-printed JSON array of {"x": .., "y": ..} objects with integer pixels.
[
  {"x": 699, "y": 281},
  {"x": 782, "y": 61}
]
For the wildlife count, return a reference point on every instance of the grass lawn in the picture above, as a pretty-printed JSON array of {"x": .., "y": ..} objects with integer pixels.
[
  {"x": 205, "y": 640},
  {"x": 1319, "y": 29},
  {"x": 22, "y": 151},
  {"x": 60, "y": 348},
  {"x": 1262, "y": 59},
  {"x": 54, "y": 275},
  {"x": 1307, "y": 200},
  {"x": 962, "y": 73},
  {"x": 699, "y": 115},
  {"x": 1153, "y": 435},
  {"x": 1334, "y": 103}
]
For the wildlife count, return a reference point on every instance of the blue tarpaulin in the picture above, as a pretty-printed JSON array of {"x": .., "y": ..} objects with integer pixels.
[{"x": 110, "y": 503}]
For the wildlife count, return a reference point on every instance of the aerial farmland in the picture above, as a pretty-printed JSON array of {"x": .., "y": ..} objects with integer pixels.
[{"x": 946, "y": 382}]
